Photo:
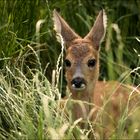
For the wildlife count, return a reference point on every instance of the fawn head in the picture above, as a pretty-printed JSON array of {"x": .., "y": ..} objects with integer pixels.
[{"x": 82, "y": 54}]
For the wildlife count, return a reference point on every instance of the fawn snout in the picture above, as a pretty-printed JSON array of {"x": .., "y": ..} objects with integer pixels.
[{"x": 78, "y": 83}]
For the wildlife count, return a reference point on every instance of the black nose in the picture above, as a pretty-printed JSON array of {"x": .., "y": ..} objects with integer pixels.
[{"x": 78, "y": 82}]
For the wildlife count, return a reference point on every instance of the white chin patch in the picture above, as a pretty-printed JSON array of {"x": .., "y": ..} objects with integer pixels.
[{"x": 82, "y": 87}]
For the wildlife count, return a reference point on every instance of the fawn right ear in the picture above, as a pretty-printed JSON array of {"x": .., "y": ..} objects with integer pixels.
[
  {"x": 97, "y": 32},
  {"x": 63, "y": 29}
]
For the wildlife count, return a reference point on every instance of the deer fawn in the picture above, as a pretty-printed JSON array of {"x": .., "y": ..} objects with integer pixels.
[{"x": 82, "y": 70}]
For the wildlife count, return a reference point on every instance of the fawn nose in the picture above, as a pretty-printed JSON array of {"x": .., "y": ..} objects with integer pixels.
[{"x": 78, "y": 83}]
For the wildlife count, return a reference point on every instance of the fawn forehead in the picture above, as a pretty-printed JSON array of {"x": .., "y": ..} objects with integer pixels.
[{"x": 81, "y": 50}]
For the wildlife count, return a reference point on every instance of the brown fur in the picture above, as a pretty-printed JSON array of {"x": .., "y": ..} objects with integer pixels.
[{"x": 112, "y": 96}]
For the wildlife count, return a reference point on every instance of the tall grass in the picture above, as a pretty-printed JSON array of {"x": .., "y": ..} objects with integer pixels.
[
  {"x": 31, "y": 63},
  {"x": 30, "y": 107}
]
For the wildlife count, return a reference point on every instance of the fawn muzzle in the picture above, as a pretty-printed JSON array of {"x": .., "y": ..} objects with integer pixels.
[{"x": 78, "y": 83}]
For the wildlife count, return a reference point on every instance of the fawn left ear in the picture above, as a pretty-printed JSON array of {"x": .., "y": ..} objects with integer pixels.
[
  {"x": 97, "y": 32},
  {"x": 63, "y": 29}
]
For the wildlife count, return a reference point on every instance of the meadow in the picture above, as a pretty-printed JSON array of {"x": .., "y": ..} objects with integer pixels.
[{"x": 32, "y": 78}]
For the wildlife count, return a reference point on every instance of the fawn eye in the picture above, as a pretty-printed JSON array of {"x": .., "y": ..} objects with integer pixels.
[
  {"x": 91, "y": 62},
  {"x": 67, "y": 63}
]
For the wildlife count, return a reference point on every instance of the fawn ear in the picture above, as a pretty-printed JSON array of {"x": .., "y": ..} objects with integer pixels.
[
  {"x": 98, "y": 30},
  {"x": 63, "y": 29}
]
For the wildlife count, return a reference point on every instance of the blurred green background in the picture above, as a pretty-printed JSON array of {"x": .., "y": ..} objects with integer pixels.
[{"x": 120, "y": 51}]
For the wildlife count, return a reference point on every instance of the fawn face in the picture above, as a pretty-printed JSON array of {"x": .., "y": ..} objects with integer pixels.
[
  {"x": 82, "y": 54},
  {"x": 81, "y": 64}
]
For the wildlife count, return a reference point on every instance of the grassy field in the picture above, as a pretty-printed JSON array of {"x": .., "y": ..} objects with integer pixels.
[{"x": 31, "y": 75}]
